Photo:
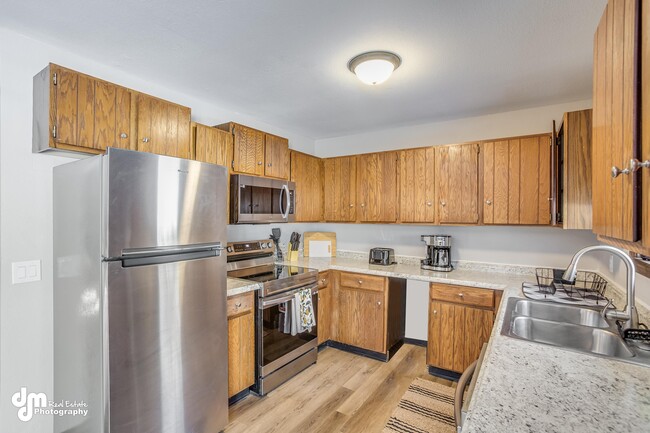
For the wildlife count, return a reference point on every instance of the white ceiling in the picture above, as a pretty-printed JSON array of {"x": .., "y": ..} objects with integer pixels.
[{"x": 284, "y": 61}]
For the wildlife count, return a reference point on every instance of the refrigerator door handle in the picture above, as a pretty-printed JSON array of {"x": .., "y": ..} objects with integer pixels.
[{"x": 184, "y": 249}]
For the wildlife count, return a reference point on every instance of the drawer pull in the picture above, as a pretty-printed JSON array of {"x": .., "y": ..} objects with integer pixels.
[
  {"x": 435, "y": 311},
  {"x": 461, "y": 295},
  {"x": 360, "y": 281},
  {"x": 238, "y": 305},
  {"x": 322, "y": 281},
  {"x": 378, "y": 302}
]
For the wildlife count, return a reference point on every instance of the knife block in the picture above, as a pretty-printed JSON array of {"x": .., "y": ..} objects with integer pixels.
[{"x": 293, "y": 255}]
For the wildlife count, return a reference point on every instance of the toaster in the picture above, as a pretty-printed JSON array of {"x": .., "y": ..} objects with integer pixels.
[{"x": 382, "y": 256}]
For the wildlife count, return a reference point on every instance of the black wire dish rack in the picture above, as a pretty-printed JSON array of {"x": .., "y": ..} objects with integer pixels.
[{"x": 588, "y": 289}]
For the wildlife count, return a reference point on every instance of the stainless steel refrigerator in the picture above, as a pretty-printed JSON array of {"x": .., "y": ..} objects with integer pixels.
[{"x": 140, "y": 327}]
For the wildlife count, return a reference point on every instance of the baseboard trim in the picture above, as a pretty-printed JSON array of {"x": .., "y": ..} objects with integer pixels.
[
  {"x": 384, "y": 357},
  {"x": 416, "y": 342},
  {"x": 239, "y": 396},
  {"x": 445, "y": 374}
]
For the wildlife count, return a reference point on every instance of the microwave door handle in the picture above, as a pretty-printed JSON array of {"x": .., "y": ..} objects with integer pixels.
[{"x": 285, "y": 190}]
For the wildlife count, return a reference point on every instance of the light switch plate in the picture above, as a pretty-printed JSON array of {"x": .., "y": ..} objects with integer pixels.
[{"x": 25, "y": 272}]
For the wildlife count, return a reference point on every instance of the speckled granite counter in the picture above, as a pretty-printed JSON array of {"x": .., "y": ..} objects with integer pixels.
[
  {"x": 528, "y": 387},
  {"x": 236, "y": 286}
]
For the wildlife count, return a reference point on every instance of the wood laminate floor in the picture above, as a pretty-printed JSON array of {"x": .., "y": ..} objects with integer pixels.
[{"x": 342, "y": 392}]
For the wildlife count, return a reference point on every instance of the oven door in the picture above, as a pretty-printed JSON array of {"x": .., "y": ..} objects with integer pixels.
[
  {"x": 257, "y": 200},
  {"x": 279, "y": 338}
]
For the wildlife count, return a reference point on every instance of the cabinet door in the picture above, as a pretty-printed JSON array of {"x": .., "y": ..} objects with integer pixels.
[
  {"x": 276, "y": 157},
  {"x": 324, "y": 319},
  {"x": 90, "y": 113},
  {"x": 417, "y": 177},
  {"x": 212, "y": 145},
  {"x": 377, "y": 187},
  {"x": 163, "y": 127},
  {"x": 241, "y": 353},
  {"x": 340, "y": 180},
  {"x": 456, "y": 334},
  {"x": 361, "y": 318},
  {"x": 307, "y": 173},
  {"x": 457, "y": 183},
  {"x": 615, "y": 118},
  {"x": 517, "y": 181},
  {"x": 645, "y": 127},
  {"x": 248, "y": 150}
]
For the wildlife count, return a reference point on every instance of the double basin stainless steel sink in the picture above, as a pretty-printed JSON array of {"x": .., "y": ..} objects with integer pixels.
[{"x": 571, "y": 327}]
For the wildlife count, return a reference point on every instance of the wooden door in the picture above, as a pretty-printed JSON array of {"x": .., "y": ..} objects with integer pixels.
[
  {"x": 212, "y": 145},
  {"x": 417, "y": 177},
  {"x": 645, "y": 128},
  {"x": 615, "y": 134},
  {"x": 307, "y": 173},
  {"x": 339, "y": 181},
  {"x": 517, "y": 180},
  {"x": 248, "y": 150},
  {"x": 276, "y": 156},
  {"x": 89, "y": 113},
  {"x": 163, "y": 127},
  {"x": 361, "y": 318},
  {"x": 324, "y": 319},
  {"x": 241, "y": 352},
  {"x": 456, "y": 334},
  {"x": 457, "y": 183},
  {"x": 377, "y": 186}
]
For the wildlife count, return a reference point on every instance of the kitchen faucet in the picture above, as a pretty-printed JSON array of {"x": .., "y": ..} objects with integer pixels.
[{"x": 628, "y": 316}]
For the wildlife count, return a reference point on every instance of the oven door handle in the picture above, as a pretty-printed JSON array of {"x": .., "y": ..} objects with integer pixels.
[{"x": 285, "y": 297}]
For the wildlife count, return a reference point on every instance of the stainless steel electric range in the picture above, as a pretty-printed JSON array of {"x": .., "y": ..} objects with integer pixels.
[{"x": 281, "y": 350}]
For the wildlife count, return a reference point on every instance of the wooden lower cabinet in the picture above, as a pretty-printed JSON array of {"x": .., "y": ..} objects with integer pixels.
[
  {"x": 368, "y": 311},
  {"x": 324, "y": 313},
  {"x": 458, "y": 329},
  {"x": 241, "y": 343}
]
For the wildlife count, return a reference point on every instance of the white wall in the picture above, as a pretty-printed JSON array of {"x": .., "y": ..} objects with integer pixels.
[
  {"x": 26, "y": 211},
  {"x": 522, "y": 122}
]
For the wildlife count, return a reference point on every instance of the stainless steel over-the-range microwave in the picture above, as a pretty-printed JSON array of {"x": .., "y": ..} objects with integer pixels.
[{"x": 258, "y": 200}]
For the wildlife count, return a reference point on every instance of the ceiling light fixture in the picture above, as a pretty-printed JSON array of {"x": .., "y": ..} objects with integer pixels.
[{"x": 374, "y": 67}]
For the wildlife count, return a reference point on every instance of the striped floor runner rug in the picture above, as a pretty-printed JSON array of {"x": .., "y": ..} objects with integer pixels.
[{"x": 425, "y": 407}]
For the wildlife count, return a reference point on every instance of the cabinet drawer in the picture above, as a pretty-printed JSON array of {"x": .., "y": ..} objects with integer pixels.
[
  {"x": 363, "y": 281},
  {"x": 462, "y": 295},
  {"x": 323, "y": 279},
  {"x": 240, "y": 304}
]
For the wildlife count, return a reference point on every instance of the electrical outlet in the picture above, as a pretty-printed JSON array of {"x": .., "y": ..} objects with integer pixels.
[{"x": 25, "y": 272}]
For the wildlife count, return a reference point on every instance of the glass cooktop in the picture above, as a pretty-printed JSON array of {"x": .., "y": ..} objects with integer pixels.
[{"x": 269, "y": 272}]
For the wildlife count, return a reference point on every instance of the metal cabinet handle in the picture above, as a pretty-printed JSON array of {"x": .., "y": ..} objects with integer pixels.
[
  {"x": 145, "y": 139},
  {"x": 351, "y": 205},
  {"x": 360, "y": 281},
  {"x": 443, "y": 203},
  {"x": 362, "y": 205},
  {"x": 428, "y": 203},
  {"x": 617, "y": 171},
  {"x": 124, "y": 135},
  {"x": 259, "y": 162},
  {"x": 378, "y": 302},
  {"x": 323, "y": 281},
  {"x": 461, "y": 295},
  {"x": 635, "y": 164},
  {"x": 435, "y": 311},
  {"x": 269, "y": 164},
  {"x": 238, "y": 305},
  {"x": 488, "y": 202}
]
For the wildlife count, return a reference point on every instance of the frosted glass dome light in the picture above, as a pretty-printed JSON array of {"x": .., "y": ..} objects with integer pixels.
[{"x": 374, "y": 67}]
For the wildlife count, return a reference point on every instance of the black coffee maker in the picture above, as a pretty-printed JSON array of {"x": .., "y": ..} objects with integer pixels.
[{"x": 438, "y": 253}]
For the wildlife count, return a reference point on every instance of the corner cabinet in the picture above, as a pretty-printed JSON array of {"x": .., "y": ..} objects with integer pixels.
[
  {"x": 516, "y": 185},
  {"x": 307, "y": 173},
  {"x": 241, "y": 343},
  {"x": 460, "y": 321},
  {"x": 457, "y": 183},
  {"x": 340, "y": 188},
  {"x": 621, "y": 126},
  {"x": 79, "y": 113}
]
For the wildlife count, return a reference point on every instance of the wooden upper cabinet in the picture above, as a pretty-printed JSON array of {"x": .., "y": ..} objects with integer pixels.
[
  {"x": 248, "y": 149},
  {"x": 163, "y": 127},
  {"x": 212, "y": 145},
  {"x": 276, "y": 156},
  {"x": 615, "y": 116},
  {"x": 377, "y": 187},
  {"x": 340, "y": 188},
  {"x": 517, "y": 180},
  {"x": 574, "y": 168},
  {"x": 307, "y": 173},
  {"x": 457, "y": 183},
  {"x": 417, "y": 177},
  {"x": 76, "y": 112}
]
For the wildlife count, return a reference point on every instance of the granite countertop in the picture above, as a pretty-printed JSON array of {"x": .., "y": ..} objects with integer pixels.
[
  {"x": 237, "y": 286},
  {"x": 529, "y": 387}
]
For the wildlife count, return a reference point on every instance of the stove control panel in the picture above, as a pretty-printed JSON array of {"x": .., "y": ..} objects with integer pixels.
[{"x": 260, "y": 247}]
